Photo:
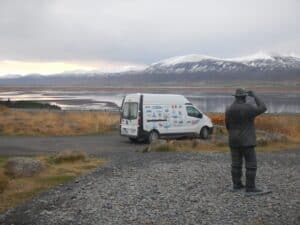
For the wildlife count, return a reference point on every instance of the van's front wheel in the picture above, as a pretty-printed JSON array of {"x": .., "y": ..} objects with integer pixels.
[
  {"x": 204, "y": 133},
  {"x": 153, "y": 136}
]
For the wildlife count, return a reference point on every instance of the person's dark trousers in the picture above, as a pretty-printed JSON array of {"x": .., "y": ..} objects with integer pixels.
[{"x": 237, "y": 155}]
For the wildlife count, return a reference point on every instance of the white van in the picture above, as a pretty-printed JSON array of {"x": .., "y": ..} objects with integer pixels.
[{"x": 152, "y": 116}]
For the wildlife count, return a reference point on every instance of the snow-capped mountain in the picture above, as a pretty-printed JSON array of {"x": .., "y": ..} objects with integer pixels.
[
  {"x": 199, "y": 63},
  {"x": 183, "y": 70}
]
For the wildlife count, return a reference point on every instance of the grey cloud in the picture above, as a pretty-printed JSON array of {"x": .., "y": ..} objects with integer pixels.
[{"x": 144, "y": 31}]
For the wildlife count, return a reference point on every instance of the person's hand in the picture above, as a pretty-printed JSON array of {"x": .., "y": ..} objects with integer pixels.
[{"x": 251, "y": 93}]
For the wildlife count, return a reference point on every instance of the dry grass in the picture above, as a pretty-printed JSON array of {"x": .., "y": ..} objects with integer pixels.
[
  {"x": 189, "y": 145},
  {"x": 215, "y": 146},
  {"x": 18, "y": 190},
  {"x": 266, "y": 142},
  {"x": 69, "y": 156},
  {"x": 288, "y": 125},
  {"x": 56, "y": 123},
  {"x": 4, "y": 108},
  {"x": 3, "y": 182}
]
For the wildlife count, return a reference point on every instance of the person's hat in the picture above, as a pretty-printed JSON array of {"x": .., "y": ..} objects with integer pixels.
[{"x": 240, "y": 92}]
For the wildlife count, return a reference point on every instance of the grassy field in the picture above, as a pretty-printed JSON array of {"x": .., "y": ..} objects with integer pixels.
[
  {"x": 56, "y": 123},
  {"x": 58, "y": 169}
]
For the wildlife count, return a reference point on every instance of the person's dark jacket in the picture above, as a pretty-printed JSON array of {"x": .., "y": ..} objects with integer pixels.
[{"x": 239, "y": 120}]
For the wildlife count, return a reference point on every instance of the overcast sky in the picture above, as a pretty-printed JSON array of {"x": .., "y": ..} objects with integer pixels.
[{"x": 49, "y": 36}]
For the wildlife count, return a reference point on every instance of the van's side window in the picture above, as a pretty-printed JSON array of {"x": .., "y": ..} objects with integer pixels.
[
  {"x": 193, "y": 112},
  {"x": 130, "y": 110}
]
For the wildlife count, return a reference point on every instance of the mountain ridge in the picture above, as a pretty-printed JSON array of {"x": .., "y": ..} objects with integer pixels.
[{"x": 182, "y": 69}]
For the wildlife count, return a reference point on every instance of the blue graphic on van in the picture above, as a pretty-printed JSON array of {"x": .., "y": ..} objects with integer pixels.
[{"x": 156, "y": 107}]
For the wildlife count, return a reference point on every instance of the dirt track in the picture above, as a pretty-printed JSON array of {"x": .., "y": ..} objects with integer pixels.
[{"x": 102, "y": 145}]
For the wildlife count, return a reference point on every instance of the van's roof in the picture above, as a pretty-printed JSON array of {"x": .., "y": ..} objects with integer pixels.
[{"x": 158, "y": 98}]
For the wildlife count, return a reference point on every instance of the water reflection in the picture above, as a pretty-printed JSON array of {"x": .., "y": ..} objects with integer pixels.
[
  {"x": 92, "y": 100},
  {"x": 275, "y": 103}
]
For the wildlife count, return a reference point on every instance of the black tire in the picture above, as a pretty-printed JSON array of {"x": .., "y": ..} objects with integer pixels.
[
  {"x": 133, "y": 140},
  {"x": 153, "y": 136},
  {"x": 204, "y": 133}
]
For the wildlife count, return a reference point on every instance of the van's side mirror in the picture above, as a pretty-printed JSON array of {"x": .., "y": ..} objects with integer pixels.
[{"x": 200, "y": 115}]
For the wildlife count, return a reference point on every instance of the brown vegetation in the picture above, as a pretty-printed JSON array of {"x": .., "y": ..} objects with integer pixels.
[
  {"x": 69, "y": 156},
  {"x": 22, "y": 167},
  {"x": 16, "y": 190},
  {"x": 56, "y": 123},
  {"x": 3, "y": 182},
  {"x": 266, "y": 142},
  {"x": 288, "y": 125}
]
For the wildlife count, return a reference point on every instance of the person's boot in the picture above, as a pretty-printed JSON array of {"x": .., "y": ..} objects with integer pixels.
[
  {"x": 238, "y": 186},
  {"x": 250, "y": 181},
  {"x": 236, "y": 174}
]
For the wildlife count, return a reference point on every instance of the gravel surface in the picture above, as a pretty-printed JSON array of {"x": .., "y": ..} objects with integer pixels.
[{"x": 169, "y": 188}]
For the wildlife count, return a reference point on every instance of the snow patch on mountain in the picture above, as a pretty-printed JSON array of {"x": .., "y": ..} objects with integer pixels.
[
  {"x": 183, "y": 59},
  {"x": 260, "y": 62},
  {"x": 253, "y": 57}
]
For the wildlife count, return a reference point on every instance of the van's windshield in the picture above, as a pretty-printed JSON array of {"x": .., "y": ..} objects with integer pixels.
[{"x": 130, "y": 110}]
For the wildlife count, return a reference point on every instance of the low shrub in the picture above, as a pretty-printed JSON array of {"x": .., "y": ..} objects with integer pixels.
[
  {"x": 22, "y": 167},
  {"x": 69, "y": 156}
]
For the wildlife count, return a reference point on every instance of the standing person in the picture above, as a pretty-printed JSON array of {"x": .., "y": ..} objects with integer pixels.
[{"x": 239, "y": 119}]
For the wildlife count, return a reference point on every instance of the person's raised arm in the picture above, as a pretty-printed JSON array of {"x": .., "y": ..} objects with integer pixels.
[{"x": 261, "y": 107}]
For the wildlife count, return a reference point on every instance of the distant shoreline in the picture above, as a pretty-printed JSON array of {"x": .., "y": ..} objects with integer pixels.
[
  {"x": 28, "y": 105},
  {"x": 157, "y": 89}
]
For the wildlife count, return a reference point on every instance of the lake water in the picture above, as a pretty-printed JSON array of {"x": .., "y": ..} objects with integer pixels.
[{"x": 99, "y": 100}]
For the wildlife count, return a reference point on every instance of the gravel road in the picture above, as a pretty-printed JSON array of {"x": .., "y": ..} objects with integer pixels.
[
  {"x": 107, "y": 146},
  {"x": 159, "y": 188}
]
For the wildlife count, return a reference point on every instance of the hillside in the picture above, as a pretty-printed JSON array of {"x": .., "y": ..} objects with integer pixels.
[{"x": 182, "y": 70}]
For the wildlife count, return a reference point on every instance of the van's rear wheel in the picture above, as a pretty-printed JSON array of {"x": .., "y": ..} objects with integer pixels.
[
  {"x": 204, "y": 133},
  {"x": 153, "y": 136}
]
